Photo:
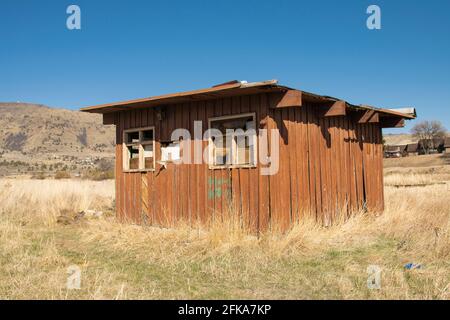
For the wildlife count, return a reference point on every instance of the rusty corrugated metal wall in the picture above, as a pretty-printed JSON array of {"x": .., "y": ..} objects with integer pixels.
[{"x": 329, "y": 166}]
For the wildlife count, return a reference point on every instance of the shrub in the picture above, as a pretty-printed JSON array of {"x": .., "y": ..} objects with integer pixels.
[
  {"x": 39, "y": 176},
  {"x": 98, "y": 175},
  {"x": 62, "y": 175}
]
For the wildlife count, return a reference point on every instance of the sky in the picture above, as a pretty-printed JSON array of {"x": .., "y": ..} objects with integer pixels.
[{"x": 134, "y": 49}]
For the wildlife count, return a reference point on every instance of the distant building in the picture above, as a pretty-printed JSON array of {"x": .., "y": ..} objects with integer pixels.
[
  {"x": 403, "y": 150},
  {"x": 412, "y": 149},
  {"x": 447, "y": 145},
  {"x": 394, "y": 151}
]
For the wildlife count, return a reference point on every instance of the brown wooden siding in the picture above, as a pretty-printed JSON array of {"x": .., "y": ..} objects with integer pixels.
[{"x": 329, "y": 167}]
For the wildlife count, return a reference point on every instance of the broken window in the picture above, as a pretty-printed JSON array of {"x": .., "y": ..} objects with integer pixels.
[
  {"x": 134, "y": 157},
  {"x": 133, "y": 137},
  {"x": 139, "y": 146},
  {"x": 236, "y": 145}
]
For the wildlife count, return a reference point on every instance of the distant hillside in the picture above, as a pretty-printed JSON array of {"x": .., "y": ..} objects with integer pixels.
[
  {"x": 35, "y": 130},
  {"x": 399, "y": 139}
]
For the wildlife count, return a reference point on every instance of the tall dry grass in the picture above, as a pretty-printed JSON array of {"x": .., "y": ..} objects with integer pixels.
[
  {"x": 405, "y": 176},
  {"x": 31, "y": 264},
  {"x": 120, "y": 261}
]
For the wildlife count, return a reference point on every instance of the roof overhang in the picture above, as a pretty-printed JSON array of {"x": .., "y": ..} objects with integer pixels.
[
  {"x": 408, "y": 111},
  {"x": 287, "y": 97},
  {"x": 229, "y": 89}
]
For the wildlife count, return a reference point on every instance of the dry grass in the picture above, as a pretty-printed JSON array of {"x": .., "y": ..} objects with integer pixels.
[
  {"x": 411, "y": 171},
  {"x": 418, "y": 161},
  {"x": 415, "y": 179},
  {"x": 125, "y": 261}
]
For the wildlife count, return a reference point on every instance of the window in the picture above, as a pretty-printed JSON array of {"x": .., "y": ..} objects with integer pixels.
[
  {"x": 139, "y": 146},
  {"x": 235, "y": 146}
]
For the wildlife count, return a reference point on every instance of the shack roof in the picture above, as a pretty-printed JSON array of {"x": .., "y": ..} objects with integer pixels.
[
  {"x": 393, "y": 148},
  {"x": 396, "y": 148},
  {"x": 412, "y": 147},
  {"x": 233, "y": 88}
]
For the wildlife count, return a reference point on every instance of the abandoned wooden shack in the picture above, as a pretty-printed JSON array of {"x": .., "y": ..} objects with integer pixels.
[
  {"x": 394, "y": 151},
  {"x": 329, "y": 154}
]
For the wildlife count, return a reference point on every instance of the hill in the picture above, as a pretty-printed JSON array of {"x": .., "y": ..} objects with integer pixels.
[
  {"x": 40, "y": 135},
  {"x": 399, "y": 139},
  {"x": 32, "y": 129}
]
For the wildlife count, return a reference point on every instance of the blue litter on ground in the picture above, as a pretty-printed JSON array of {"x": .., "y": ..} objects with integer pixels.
[{"x": 411, "y": 266}]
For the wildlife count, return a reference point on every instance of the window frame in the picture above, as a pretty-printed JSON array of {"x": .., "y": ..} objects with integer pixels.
[
  {"x": 211, "y": 146},
  {"x": 141, "y": 143}
]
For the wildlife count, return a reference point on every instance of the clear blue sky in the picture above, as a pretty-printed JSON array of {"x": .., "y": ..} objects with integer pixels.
[{"x": 133, "y": 49}]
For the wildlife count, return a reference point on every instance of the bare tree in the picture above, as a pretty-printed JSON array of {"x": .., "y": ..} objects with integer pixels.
[{"x": 427, "y": 132}]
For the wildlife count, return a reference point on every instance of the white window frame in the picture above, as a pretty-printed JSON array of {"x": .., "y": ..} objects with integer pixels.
[
  {"x": 211, "y": 145},
  {"x": 126, "y": 154}
]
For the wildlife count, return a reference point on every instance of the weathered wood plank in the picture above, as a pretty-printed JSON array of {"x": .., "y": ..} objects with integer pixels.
[
  {"x": 244, "y": 174},
  {"x": 254, "y": 106},
  {"x": 264, "y": 188},
  {"x": 338, "y": 108},
  {"x": 392, "y": 122},
  {"x": 290, "y": 98},
  {"x": 109, "y": 118}
]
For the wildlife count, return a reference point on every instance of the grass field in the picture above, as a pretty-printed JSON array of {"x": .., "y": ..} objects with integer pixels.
[{"x": 120, "y": 261}]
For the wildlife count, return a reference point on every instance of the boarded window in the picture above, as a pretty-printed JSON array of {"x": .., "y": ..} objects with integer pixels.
[
  {"x": 236, "y": 145},
  {"x": 139, "y": 146}
]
